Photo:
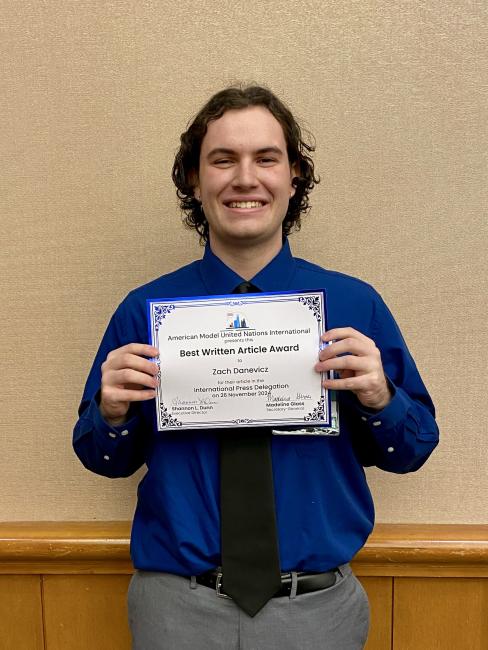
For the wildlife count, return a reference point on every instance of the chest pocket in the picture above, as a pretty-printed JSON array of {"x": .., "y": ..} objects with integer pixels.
[{"x": 310, "y": 446}]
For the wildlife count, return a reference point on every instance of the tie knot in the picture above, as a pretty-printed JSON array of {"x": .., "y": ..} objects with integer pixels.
[{"x": 246, "y": 287}]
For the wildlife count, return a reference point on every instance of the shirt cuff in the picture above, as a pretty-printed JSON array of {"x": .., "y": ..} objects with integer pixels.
[
  {"x": 105, "y": 430},
  {"x": 387, "y": 425}
]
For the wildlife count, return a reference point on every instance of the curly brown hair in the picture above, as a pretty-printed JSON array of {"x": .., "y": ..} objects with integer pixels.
[{"x": 187, "y": 159}]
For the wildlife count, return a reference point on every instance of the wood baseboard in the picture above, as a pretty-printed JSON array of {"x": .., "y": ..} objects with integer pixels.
[
  {"x": 103, "y": 547},
  {"x": 426, "y": 586}
]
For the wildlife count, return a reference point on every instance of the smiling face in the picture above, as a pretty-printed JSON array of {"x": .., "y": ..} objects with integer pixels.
[{"x": 245, "y": 180}]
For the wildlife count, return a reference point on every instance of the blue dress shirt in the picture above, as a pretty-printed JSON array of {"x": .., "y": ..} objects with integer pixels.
[{"x": 323, "y": 504}]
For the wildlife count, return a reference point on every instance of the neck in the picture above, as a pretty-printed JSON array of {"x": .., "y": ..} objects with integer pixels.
[{"x": 247, "y": 260}]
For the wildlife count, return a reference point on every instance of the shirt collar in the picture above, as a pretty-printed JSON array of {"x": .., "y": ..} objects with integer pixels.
[{"x": 220, "y": 279}]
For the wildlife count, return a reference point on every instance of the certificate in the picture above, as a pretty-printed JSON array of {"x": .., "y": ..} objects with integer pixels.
[{"x": 240, "y": 360}]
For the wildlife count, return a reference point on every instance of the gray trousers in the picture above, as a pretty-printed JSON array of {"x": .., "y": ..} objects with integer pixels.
[{"x": 168, "y": 612}]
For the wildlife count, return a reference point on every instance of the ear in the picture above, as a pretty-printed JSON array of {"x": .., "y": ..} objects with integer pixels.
[
  {"x": 193, "y": 177},
  {"x": 294, "y": 172}
]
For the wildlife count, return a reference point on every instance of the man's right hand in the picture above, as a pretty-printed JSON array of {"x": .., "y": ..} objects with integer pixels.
[{"x": 127, "y": 377}]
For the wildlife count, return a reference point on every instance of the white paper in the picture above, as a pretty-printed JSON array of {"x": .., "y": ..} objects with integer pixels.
[{"x": 240, "y": 360}]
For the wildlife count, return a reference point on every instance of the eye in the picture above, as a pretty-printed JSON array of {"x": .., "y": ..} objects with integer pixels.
[
  {"x": 266, "y": 161},
  {"x": 223, "y": 162}
]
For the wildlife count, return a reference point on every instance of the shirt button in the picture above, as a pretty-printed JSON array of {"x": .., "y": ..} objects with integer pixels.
[
  {"x": 390, "y": 449},
  {"x": 377, "y": 423},
  {"x": 364, "y": 418},
  {"x": 106, "y": 457},
  {"x": 124, "y": 433},
  {"x": 112, "y": 434}
]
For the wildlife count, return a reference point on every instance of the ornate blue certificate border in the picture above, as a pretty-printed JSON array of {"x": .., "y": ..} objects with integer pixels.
[{"x": 158, "y": 310}]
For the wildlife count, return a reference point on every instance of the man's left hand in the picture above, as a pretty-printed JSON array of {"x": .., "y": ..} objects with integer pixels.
[{"x": 358, "y": 361}]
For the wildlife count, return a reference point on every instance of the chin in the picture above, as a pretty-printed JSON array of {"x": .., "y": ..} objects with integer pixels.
[{"x": 248, "y": 234}]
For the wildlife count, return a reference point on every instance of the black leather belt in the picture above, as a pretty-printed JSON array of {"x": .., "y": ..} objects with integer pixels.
[{"x": 306, "y": 582}]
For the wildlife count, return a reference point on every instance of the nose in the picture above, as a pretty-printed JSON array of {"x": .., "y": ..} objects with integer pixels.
[{"x": 245, "y": 175}]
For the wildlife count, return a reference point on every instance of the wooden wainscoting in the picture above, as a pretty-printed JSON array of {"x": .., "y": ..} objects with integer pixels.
[{"x": 63, "y": 586}]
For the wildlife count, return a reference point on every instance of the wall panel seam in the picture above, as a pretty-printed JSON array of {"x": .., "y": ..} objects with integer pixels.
[
  {"x": 392, "y": 629},
  {"x": 43, "y": 613}
]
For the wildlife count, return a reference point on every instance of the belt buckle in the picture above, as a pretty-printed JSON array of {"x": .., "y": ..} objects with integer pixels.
[{"x": 218, "y": 587}]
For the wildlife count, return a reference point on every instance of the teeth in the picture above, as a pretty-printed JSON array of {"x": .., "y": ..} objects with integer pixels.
[{"x": 245, "y": 204}]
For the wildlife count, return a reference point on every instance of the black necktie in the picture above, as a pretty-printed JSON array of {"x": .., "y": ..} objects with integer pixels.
[{"x": 250, "y": 558}]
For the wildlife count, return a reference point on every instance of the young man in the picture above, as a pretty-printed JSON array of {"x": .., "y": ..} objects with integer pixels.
[{"x": 243, "y": 174}]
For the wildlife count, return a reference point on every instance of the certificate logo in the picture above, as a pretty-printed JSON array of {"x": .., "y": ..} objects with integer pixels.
[{"x": 237, "y": 321}]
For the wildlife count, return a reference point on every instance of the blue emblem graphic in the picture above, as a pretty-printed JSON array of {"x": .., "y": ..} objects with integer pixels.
[{"x": 236, "y": 322}]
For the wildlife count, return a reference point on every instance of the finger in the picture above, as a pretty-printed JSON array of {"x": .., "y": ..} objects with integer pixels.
[
  {"x": 141, "y": 349},
  {"x": 355, "y": 384},
  {"x": 128, "y": 360},
  {"x": 128, "y": 376},
  {"x": 121, "y": 395},
  {"x": 349, "y": 345},
  {"x": 349, "y": 362},
  {"x": 342, "y": 333}
]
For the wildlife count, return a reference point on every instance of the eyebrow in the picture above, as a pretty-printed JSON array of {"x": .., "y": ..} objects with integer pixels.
[{"x": 227, "y": 152}]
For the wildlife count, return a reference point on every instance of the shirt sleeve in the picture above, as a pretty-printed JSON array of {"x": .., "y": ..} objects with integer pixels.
[
  {"x": 400, "y": 437},
  {"x": 113, "y": 451}
]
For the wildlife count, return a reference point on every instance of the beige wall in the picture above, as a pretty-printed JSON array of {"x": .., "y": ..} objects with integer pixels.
[{"x": 95, "y": 95}]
